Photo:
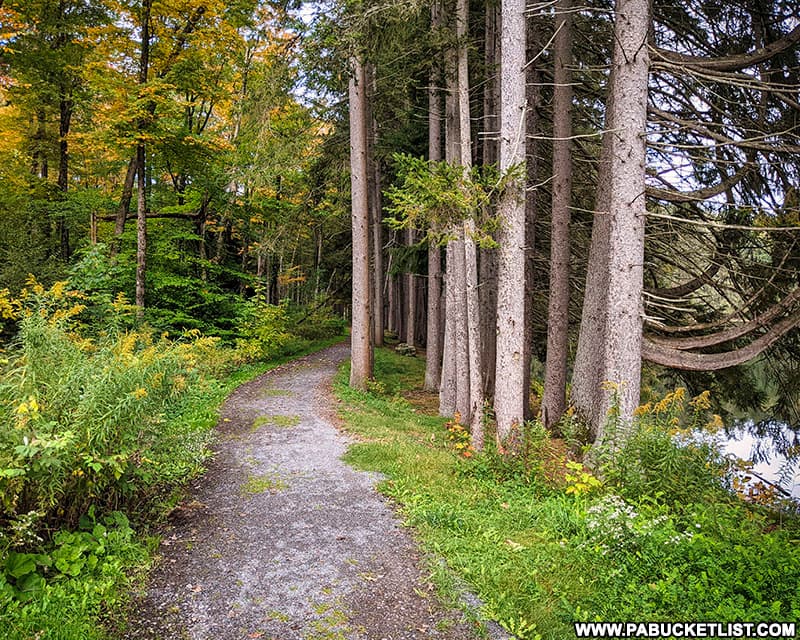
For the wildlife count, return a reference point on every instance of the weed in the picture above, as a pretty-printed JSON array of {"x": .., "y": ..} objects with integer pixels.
[
  {"x": 256, "y": 484},
  {"x": 277, "y": 616},
  {"x": 276, "y": 393},
  {"x": 281, "y": 421}
]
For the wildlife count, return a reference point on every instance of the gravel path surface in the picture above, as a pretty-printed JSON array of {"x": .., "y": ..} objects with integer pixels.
[{"x": 281, "y": 540}]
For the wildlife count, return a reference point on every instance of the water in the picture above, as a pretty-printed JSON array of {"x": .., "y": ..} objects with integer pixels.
[{"x": 772, "y": 447}]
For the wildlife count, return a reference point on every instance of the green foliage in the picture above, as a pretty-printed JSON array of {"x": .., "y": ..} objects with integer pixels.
[
  {"x": 93, "y": 420},
  {"x": 541, "y": 556},
  {"x": 59, "y": 592},
  {"x": 319, "y": 324},
  {"x": 664, "y": 459},
  {"x": 436, "y": 195},
  {"x": 86, "y": 422},
  {"x": 265, "y": 330}
]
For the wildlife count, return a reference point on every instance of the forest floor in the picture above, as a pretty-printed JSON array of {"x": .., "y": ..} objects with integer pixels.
[{"x": 282, "y": 540}]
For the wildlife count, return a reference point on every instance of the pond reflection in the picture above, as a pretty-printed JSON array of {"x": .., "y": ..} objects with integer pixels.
[{"x": 773, "y": 448}]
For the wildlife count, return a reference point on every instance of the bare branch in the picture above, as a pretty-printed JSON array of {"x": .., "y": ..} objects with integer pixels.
[
  {"x": 689, "y": 361},
  {"x": 731, "y": 63}
]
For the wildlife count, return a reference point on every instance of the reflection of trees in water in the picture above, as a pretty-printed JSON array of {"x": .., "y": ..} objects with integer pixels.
[{"x": 772, "y": 443}]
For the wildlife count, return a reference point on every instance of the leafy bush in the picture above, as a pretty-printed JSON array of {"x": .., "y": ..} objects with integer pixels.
[
  {"x": 265, "y": 330},
  {"x": 320, "y": 324},
  {"x": 270, "y": 331},
  {"x": 58, "y": 593}
]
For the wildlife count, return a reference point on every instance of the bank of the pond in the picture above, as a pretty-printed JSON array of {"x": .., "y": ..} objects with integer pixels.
[{"x": 543, "y": 545}]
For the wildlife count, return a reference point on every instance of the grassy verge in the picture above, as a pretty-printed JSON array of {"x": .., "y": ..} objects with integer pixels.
[
  {"x": 543, "y": 543},
  {"x": 76, "y": 583}
]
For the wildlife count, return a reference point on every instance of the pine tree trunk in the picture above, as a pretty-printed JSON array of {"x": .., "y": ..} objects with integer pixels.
[
  {"x": 474, "y": 414},
  {"x": 615, "y": 357},
  {"x": 458, "y": 318},
  {"x": 555, "y": 385},
  {"x": 376, "y": 216},
  {"x": 434, "y": 337},
  {"x": 447, "y": 386},
  {"x": 361, "y": 347},
  {"x": 533, "y": 96},
  {"x": 509, "y": 391},
  {"x": 487, "y": 263},
  {"x": 411, "y": 295},
  {"x": 488, "y": 296},
  {"x": 452, "y": 398},
  {"x": 391, "y": 303},
  {"x": 433, "y": 346},
  {"x": 488, "y": 257},
  {"x": 586, "y": 371}
]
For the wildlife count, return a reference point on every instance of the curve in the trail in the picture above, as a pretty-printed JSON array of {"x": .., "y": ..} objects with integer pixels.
[{"x": 282, "y": 540}]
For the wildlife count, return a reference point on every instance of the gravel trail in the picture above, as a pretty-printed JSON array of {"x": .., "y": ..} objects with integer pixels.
[{"x": 281, "y": 540}]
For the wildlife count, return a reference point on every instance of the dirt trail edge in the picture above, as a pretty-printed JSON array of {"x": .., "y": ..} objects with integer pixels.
[{"x": 281, "y": 540}]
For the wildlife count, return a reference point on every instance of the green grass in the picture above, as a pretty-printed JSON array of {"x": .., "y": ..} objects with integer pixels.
[
  {"x": 262, "y": 483},
  {"x": 276, "y": 420},
  {"x": 540, "y": 557}
]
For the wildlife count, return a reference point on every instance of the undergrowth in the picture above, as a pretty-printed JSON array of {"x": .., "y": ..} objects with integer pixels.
[
  {"x": 545, "y": 542},
  {"x": 102, "y": 421}
]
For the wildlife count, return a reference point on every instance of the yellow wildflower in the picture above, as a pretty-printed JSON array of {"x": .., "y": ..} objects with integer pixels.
[{"x": 702, "y": 402}]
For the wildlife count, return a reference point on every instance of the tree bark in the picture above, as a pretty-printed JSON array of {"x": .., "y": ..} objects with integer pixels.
[
  {"x": 433, "y": 345},
  {"x": 554, "y": 401},
  {"x": 586, "y": 372},
  {"x": 391, "y": 302},
  {"x": 509, "y": 392},
  {"x": 376, "y": 216},
  {"x": 488, "y": 256},
  {"x": 124, "y": 207},
  {"x": 141, "y": 162},
  {"x": 621, "y": 252},
  {"x": 447, "y": 385},
  {"x": 474, "y": 415},
  {"x": 411, "y": 295},
  {"x": 361, "y": 347},
  {"x": 533, "y": 75},
  {"x": 453, "y": 391}
]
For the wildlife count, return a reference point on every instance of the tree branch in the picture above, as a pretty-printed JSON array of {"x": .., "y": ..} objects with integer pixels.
[
  {"x": 689, "y": 361},
  {"x": 730, "y": 63},
  {"x": 699, "y": 194},
  {"x": 733, "y": 333}
]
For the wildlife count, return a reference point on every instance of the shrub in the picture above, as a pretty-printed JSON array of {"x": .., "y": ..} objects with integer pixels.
[
  {"x": 86, "y": 422},
  {"x": 318, "y": 323},
  {"x": 665, "y": 458},
  {"x": 265, "y": 330},
  {"x": 60, "y": 593}
]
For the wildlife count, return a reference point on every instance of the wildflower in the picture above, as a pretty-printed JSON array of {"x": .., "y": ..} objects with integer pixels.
[
  {"x": 701, "y": 402},
  {"x": 139, "y": 393},
  {"x": 715, "y": 424}
]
